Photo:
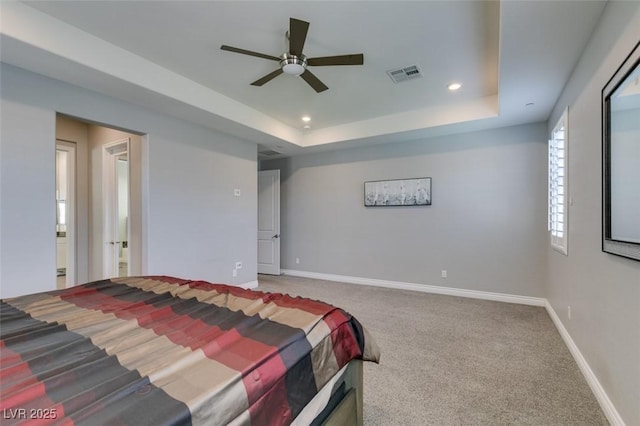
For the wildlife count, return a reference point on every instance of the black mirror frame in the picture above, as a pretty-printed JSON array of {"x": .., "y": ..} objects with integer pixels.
[{"x": 609, "y": 245}]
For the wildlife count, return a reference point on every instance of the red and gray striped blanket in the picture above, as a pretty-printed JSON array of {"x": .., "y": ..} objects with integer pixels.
[{"x": 161, "y": 350}]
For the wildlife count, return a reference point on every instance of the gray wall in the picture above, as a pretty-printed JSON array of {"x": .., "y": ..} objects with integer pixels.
[
  {"x": 487, "y": 224},
  {"x": 195, "y": 227},
  {"x": 603, "y": 290}
]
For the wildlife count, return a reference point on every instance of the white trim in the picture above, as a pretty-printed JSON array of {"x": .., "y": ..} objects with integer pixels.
[
  {"x": 144, "y": 204},
  {"x": 71, "y": 253},
  {"x": 424, "y": 288},
  {"x": 110, "y": 205},
  {"x": 250, "y": 285},
  {"x": 605, "y": 403}
]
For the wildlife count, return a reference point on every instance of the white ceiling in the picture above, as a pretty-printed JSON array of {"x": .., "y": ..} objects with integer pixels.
[{"x": 166, "y": 55}]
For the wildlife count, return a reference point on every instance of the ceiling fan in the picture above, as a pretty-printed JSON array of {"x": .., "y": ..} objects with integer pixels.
[{"x": 294, "y": 62}]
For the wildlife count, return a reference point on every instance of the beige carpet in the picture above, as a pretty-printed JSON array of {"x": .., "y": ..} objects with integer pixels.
[{"x": 457, "y": 361}]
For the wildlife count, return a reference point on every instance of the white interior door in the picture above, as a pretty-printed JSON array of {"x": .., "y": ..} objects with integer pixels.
[{"x": 269, "y": 222}]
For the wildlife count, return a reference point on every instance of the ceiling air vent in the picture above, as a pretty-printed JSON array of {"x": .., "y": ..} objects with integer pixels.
[
  {"x": 403, "y": 74},
  {"x": 269, "y": 153}
]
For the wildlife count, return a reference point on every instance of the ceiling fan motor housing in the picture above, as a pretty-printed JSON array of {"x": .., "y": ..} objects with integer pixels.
[{"x": 292, "y": 64}]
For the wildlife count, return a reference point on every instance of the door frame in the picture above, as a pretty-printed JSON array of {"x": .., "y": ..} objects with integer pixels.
[
  {"x": 110, "y": 153},
  {"x": 70, "y": 148}
]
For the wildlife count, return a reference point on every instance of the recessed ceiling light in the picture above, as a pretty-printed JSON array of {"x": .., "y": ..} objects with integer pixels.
[
  {"x": 306, "y": 118},
  {"x": 454, "y": 86}
]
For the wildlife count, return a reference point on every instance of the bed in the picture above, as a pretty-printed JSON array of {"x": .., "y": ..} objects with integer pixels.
[{"x": 159, "y": 350}]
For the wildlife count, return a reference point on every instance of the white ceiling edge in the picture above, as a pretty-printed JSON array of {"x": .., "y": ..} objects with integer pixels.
[
  {"x": 25, "y": 26},
  {"x": 472, "y": 110},
  {"x": 34, "y": 28}
]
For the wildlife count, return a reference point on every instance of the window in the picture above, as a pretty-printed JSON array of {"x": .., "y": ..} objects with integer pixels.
[{"x": 558, "y": 176}]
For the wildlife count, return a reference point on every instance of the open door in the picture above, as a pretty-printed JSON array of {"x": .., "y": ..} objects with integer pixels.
[{"x": 269, "y": 222}]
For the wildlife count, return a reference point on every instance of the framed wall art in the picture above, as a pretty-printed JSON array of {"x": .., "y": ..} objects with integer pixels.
[{"x": 398, "y": 192}]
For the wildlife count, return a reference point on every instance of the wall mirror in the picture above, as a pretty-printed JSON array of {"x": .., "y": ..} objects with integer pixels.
[{"x": 621, "y": 160}]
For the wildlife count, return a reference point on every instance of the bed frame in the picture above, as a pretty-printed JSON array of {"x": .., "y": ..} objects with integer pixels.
[{"x": 349, "y": 410}]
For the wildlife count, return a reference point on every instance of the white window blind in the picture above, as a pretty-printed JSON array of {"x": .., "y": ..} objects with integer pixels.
[{"x": 558, "y": 185}]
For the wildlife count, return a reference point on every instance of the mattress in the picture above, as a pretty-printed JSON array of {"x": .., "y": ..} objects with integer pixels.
[{"x": 159, "y": 350}]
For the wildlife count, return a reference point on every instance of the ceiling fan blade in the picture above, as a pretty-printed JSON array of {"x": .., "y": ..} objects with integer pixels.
[
  {"x": 250, "y": 53},
  {"x": 357, "y": 59},
  {"x": 267, "y": 78},
  {"x": 313, "y": 81},
  {"x": 297, "y": 35}
]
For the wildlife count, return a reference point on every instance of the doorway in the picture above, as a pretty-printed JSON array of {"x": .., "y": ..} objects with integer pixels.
[
  {"x": 105, "y": 225},
  {"x": 116, "y": 230},
  {"x": 65, "y": 213}
]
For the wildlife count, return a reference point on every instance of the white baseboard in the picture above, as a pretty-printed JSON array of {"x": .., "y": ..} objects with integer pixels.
[
  {"x": 598, "y": 391},
  {"x": 424, "y": 288},
  {"x": 250, "y": 285},
  {"x": 601, "y": 396}
]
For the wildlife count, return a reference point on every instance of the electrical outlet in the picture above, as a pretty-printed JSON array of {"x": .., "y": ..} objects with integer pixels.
[
  {"x": 238, "y": 265},
  {"x": 569, "y": 312},
  {"x": 234, "y": 273},
  {"x": 444, "y": 273},
  {"x": 236, "y": 192},
  {"x": 297, "y": 260}
]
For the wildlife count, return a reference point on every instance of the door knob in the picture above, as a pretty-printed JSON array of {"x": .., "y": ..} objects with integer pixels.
[{"x": 276, "y": 236}]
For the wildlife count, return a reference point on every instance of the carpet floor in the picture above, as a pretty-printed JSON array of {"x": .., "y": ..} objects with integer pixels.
[{"x": 457, "y": 361}]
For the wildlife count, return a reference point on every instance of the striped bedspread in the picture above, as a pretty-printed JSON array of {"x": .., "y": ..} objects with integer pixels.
[{"x": 161, "y": 350}]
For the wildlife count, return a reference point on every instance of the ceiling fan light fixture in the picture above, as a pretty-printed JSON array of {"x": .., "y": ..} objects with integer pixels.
[
  {"x": 293, "y": 65},
  {"x": 293, "y": 69}
]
